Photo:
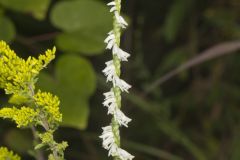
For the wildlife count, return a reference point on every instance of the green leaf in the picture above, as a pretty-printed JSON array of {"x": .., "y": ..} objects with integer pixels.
[
  {"x": 7, "y": 29},
  {"x": 80, "y": 14},
  {"x": 81, "y": 77},
  {"x": 86, "y": 24},
  {"x": 36, "y": 7},
  {"x": 74, "y": 83},
  {"x": 82, "y": 41},
  {"x": 175, "y": 18},
  {"x": 39, "y": 146}
]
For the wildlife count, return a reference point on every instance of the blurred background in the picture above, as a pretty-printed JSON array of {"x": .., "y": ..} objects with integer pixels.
[{"x": 184, "y": 69}]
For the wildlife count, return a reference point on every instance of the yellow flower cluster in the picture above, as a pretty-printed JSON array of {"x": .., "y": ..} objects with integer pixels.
[
  {"x": 23, "y": 116},
  {"x": 18, "y": 77},
  {"x": 46, "y": 137},
  {"x": 50, "y": 105},
  {"x": 8, "y": 155},
  {"x": 17, "y": 74}
]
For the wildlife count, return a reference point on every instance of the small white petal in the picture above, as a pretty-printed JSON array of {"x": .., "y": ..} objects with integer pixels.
[
  {"x": 113, "y": 150},
  {"x": 120, "y": 20},
  {"x": 122, "y": 55},
  {"x": 124, "y": 155},
  {"x": 110, "y": 102},
  {"x": 124, "y": 86},
  {"x": 112, "y": 3},
  {"x": 121, "y": 118},
  {"x": 110, "y": 44},
  {"x": 113, "y": 9},
  {"x": 110, "y": 40},
  {"x": 109, "y": 71},
  {"x": 109, "y": 37}
]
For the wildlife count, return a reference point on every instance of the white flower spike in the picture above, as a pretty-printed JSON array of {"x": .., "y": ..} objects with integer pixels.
[{"x": 112, "y": 101}]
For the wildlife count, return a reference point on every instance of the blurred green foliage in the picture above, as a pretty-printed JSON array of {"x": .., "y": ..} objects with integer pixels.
[
  {"x": 194, "y": 115},
  {"x": 7, "y": 29},
  {"x": 74, "y": 89}
]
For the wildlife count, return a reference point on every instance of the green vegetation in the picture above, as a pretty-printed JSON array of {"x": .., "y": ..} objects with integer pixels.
[{"x": 191, "y": 113}]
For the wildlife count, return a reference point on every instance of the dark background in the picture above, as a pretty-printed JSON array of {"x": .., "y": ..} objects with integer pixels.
[{"x": 189, "y": 113}]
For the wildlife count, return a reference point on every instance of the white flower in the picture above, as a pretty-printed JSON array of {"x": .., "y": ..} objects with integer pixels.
[
  {"x": 124, "y": 86},
  {"x": 122, "y": 55},
  {"x": 110, "y": 102},
  {"x": 110, "y": 40},
  {"x": 113, "y": 151},
  {"x": 111, "y": 44},
  {"x": 120, "y": 20},
  {"x": 110, "y": 144},
  {"x": 107, "y": 137},
  {"x": 109, "y": 71},
  {"x": 124, "y": 155},
  {"x": 113, "y": 4},
  {"x": 121, "y": 118},
  {"x": 109, "y": 141}
]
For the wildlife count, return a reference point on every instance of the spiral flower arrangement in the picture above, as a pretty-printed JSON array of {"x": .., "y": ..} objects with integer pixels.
[{"x": 111, "y": 135}]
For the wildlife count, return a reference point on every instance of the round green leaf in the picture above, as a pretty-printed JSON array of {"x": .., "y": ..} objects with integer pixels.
[
  {"x": 84, "y": 42},
  {"x": 79, "y": 14},
  {"x": 76, "y": 74},
  {"x": 75, "y": 109},
  {"x": 74, "y": 83},
  {"x": 7, "y": 29},
  {"x": 37, "y": 7}
]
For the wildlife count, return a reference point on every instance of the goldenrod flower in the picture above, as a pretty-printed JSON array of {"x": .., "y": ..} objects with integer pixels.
[
  {"x": 17, "y": 74},
  {"x": 5, "y": 154},
  {"x": 23, "y": 116},
  {"x": 50, "y": 106}
]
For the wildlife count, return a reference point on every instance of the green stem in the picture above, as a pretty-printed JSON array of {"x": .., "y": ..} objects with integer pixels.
[{"x": 39, "y": 153}]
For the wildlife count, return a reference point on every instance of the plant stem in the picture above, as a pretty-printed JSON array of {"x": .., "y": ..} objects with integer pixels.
[{"x": 39, "y": 153}]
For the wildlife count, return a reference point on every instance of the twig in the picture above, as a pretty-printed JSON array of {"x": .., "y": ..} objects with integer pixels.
[
  {"x": 39, "y": 153},
  {"x": 211, "y": 53}
]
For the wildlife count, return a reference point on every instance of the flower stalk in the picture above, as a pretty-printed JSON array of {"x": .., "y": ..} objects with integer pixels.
[{"x": 111, "y": 133}]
